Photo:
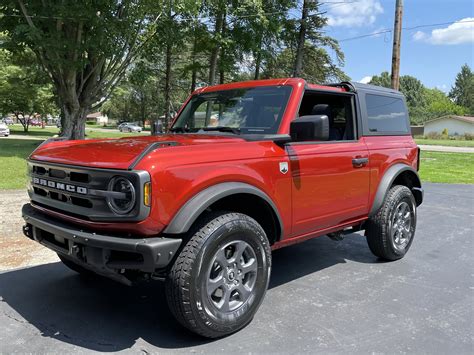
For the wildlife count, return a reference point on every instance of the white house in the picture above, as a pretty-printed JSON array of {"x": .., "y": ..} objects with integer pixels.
[
  {"x": 456, "y": 125},
  {"x": 100, "y": 118}
]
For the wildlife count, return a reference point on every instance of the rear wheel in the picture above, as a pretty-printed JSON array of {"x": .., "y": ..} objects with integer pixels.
[
  {"x": 220, "y": 278},
  {"x": 391, "y": 230}
]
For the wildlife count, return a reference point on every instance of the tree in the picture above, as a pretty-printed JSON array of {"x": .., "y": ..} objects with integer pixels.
[
  {"x": 307, "y": 35},
  {"x": 24, "y": 88},
  {"x": 437, "y": 104},
  {"x": 85, "y": 47},
  {"x": 319, "y": 67},
  {"x": 463, "y": 90}
]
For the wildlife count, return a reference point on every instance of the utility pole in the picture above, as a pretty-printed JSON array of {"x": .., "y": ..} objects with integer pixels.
[{"x": 397, "y": 36}]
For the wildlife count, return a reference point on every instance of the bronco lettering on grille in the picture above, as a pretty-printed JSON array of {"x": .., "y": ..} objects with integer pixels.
[{"x": 60, "y": 186}]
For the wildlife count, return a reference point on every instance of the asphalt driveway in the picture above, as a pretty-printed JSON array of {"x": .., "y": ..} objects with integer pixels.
[{"x": 324, "y": 297}]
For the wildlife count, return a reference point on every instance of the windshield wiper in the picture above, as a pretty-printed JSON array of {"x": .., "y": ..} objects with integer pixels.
[{"x": 222, "y": 129}]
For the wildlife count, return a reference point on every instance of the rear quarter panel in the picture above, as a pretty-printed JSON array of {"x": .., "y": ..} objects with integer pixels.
[{"x": 385, "y": 151}]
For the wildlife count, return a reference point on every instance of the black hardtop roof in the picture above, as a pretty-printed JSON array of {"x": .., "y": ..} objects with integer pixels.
[{"x": 358, "y": 87}]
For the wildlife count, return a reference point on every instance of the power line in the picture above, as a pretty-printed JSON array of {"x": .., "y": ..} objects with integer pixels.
[{"x": 388, "y": 30}]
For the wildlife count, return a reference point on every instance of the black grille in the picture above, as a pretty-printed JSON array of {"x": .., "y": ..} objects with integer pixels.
[{"x": 81, "y": 192}]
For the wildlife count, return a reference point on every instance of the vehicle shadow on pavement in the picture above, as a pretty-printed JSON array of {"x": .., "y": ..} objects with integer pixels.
[{"x": 102, "y": 315}]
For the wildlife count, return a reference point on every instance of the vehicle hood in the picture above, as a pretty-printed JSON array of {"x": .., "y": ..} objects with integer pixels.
[{"x": 116, "y": 153}]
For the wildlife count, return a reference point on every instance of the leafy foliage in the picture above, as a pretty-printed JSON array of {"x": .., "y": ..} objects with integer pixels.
[
  {"x": 24, "y": 88},
  {"x": 85, "y": 46},
  {"x": 147, "y": 55}
]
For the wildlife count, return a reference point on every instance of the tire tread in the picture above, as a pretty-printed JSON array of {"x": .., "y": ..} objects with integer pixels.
[{"x": 179, "y": 277}]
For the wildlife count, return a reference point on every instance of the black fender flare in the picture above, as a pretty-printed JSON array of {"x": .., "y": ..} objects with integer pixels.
[
  {"x": 386, "y": 182},
  {"x": 192, "y": 209}
]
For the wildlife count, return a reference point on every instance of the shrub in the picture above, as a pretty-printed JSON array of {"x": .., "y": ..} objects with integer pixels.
[
  {"x": 445, "y": 132},
  {"x": 433, "y": 135},
  {"x": 468, "y": 136}
]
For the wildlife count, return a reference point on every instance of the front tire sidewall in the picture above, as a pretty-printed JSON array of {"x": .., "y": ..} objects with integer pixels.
[
  {"x": 223, "y": 323},
  {"x": 243, "y": 314}
]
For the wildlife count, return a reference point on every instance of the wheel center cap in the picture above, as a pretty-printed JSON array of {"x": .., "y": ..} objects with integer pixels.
[{"x": 231, "y": 275}]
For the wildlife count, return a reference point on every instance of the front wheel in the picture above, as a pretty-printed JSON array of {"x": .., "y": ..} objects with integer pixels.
[
  {"x": 219, "y": 279},
  {"x": 391, "y": 230}
]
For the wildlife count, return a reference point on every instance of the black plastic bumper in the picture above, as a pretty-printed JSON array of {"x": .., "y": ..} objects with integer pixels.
[{"x": 101, "y": 253}]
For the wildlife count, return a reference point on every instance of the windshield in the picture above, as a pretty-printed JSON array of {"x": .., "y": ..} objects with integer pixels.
[{"x": 256, "y": 110}]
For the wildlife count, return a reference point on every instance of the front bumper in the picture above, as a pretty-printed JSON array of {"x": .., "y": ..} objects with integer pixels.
[{"x": 106, "y": 255}]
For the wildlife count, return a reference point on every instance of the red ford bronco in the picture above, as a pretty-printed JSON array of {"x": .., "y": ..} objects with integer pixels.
[{"x": 247, "y": 168}]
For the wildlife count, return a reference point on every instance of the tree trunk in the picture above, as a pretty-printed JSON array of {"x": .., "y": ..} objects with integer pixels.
[
  {"x": 222, "y": 52},
  {"x": 74, "y": 122},
  {"x": 221, "y": 76},
  {"x": 193, "y": 78},
  {"x": 298, "y": 68},
  {"x": 167, "y": 86},
  {"x": 194, "y": 67},
  {"x": 258, "y": 63},
  {"x": 216, "y": 48},
  {"x": 62, "y": 120},
  {"x": 25, "y": 122}
]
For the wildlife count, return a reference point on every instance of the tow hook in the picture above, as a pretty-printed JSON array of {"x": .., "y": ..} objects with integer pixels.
[{"x": 27, "y": 231}]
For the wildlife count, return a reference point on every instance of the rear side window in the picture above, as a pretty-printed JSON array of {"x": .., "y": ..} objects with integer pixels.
[{"x": 386, "y": 114}]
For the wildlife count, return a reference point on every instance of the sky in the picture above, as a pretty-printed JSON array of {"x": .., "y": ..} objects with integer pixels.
[{"x": 432, "y": 54}]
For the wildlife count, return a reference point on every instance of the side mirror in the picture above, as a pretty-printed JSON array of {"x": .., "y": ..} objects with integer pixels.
[{"x": 310, "y": 128}]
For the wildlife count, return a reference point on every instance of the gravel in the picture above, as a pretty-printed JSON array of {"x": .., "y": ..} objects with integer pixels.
[{"x": 16, "y": 250}]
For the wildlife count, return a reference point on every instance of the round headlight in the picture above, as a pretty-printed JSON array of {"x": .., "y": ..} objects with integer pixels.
[{"x": 124, "y": 201}]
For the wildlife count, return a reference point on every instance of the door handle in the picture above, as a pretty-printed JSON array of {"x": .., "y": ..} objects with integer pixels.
[{"x": 359, "y": 162}]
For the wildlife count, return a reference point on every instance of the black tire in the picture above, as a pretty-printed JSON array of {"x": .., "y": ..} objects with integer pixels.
[
  {"x": 389, "y": 236},
  {"x": 76, "y": 267},
  {"x": 215, "y": 241}
]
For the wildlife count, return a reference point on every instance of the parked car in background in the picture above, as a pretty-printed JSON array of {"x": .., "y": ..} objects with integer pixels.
[
  {"x": 123, "y": 124},
  {"x": 4, "y": 130},
  {"x": 35, "y": 122},
  {"x": 7, "y": 120},
  {"x": 130, "y": 127}
]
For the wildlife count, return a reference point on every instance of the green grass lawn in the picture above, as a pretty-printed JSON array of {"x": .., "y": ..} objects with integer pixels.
[
  {"x": 90, "y": 133},
  {"x": 435, "y": 166},
  {"x": 51, "y": 131},
  {"x": 47, "y": 132},
  {"x": 13, "y": 153},
  {"x": 447, "y": 167},
  {"x": 445, "y": 142}
]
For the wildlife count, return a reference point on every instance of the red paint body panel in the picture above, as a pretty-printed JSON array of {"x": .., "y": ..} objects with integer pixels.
[
  {"x": 321, "y": 193},
  {"x": 327, "y": 189},
  {"x": 113, "y": 153}
]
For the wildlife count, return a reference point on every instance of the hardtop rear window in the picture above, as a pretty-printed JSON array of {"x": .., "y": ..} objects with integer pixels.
[{"x": 386, "y": 114}]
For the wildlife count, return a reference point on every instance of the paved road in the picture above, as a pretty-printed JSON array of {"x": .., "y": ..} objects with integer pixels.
[
  {"x": 443, "y": 148},
  {"x": 324, "y": 297}
]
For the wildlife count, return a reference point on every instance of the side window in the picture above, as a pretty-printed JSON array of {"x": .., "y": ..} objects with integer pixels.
[
  {"x": 339, "y": 110},
  {"x": 386, "y": 114}
]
